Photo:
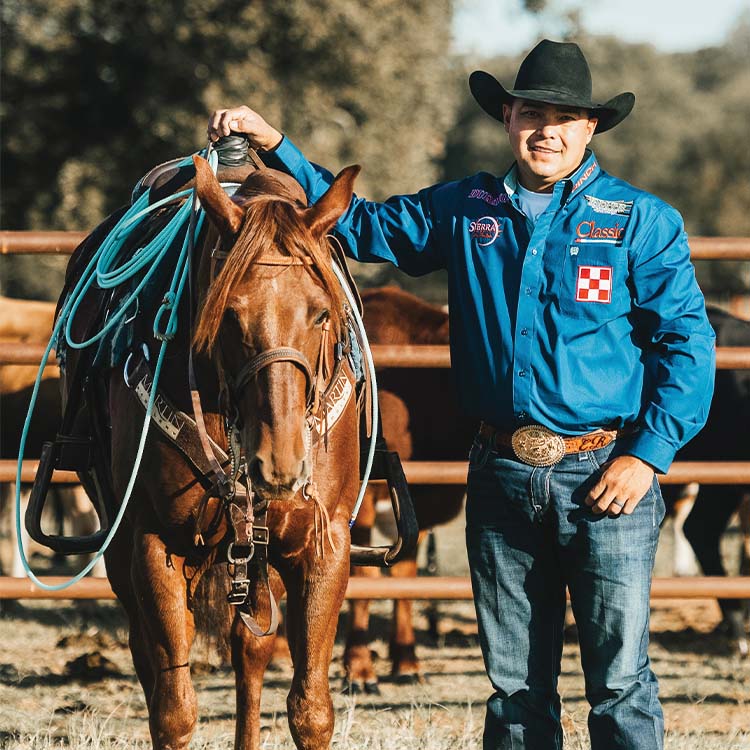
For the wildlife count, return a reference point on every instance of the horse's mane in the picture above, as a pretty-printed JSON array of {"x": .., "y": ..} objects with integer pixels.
[{"x": 273, "y": 226}]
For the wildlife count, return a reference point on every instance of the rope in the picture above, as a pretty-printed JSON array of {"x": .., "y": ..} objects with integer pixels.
[
  {"x": 103, "y": 270},
  {"x": 371, "y": 368}
]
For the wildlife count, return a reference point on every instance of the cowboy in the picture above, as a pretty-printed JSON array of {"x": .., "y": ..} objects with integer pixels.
[{"x": 580, "y": 340}]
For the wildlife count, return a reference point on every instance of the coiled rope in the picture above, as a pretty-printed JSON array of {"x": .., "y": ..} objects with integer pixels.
[{"x": 103, "y": 269}]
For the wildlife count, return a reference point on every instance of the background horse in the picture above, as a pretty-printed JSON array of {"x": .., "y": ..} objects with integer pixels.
[
  {"x": 422, "y": 422},
  {"x": 276, "y": 291}
]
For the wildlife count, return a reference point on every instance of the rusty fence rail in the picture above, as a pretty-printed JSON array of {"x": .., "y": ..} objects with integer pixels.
[
  {"x": 422, "y": 587},
  {"x": 63, "y": 243},
  {"x": 417, "y": 356},
  {"x": 454, "y": 472}
]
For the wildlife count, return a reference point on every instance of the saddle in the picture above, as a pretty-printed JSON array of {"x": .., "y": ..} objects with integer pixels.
[{"x": 82, "y": 444}]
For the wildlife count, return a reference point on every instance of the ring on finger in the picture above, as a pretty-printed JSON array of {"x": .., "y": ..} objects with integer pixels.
[{"x": 619, "y": 505}]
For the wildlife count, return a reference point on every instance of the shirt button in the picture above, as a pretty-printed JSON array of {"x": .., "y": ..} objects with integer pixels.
[
  {"x": 524, "y": 332},
  {"x": 521, "y": 415},
  {"x": 522, "y": 373},
  {"x": 533, "y": 252},
  {"x": 528, "y": 290}
]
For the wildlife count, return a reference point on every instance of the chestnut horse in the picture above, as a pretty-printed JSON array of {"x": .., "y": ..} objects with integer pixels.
[
  {"x": 421, "y": 421},
  {"x": 274, "y": 297}
]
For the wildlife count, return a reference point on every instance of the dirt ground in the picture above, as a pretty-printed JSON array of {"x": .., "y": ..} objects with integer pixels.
[{"x": 66, "y": 680}]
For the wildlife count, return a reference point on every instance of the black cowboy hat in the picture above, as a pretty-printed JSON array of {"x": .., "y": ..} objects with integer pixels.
[{"x": 554, "y": 73}]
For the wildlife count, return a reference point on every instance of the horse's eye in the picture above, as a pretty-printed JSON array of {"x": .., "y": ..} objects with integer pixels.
[{"x": 322, "y": 317}]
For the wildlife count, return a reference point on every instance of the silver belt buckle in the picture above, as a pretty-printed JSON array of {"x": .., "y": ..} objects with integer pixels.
[{"x": 537, "y": 446}]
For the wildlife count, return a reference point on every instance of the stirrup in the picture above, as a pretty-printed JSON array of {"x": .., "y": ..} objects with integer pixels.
[
  {"x": 68, "y": 453},
  {"x": 387, "y": 465}
]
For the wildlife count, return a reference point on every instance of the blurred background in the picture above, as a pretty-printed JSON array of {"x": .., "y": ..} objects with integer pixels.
[{"x": 95, "y": 92}]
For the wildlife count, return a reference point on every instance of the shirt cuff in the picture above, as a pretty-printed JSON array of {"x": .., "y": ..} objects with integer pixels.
[
  {"x": 653, "y": 449},
  {"x": 285, "y": 156}
]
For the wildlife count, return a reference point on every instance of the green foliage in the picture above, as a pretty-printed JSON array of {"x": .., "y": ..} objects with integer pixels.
[
  {"x": 95, "y": 92},
  {"x": 683, "y": 141},
  {"x": 103, "y": 89}
]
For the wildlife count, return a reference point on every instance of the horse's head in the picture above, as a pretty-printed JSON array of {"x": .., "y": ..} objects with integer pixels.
[{"x": 271, "y": 316}]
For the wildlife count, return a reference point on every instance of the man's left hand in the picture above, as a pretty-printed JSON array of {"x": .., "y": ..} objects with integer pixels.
[{"x": 623, "y": 483}]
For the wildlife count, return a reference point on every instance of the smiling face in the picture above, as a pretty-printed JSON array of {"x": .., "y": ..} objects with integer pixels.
[{"x": 548, "y": 140}]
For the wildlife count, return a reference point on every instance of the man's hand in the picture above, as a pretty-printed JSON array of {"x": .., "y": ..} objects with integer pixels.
[
  {"x": 243, "y": 120},
  {"x": 623, "y": 483}
]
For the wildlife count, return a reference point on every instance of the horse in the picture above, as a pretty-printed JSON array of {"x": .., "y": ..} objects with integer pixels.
[
  {"x": 30, "y": 321},
  {"x": 267, "y": 305},
  {"x": 421, "y": 421},
  {"x": 724, "y": 438}
]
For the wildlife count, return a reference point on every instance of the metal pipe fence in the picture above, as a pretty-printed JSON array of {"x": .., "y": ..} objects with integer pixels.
[
  {"x": 417, "y": 472},
  {"x": 422, "y": 587}
]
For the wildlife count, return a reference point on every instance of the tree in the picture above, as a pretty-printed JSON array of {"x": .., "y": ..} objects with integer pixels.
[{"x": 101, "y": 90}]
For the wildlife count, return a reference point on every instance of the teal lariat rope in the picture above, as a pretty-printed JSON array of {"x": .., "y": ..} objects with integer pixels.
[{"x": 103, "y": 270}]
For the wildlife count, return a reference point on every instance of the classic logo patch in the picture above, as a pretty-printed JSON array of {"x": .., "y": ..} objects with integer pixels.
[
  {"x": 594, "y": 284},
  {"x": 590, "y": 231},
  {"x": 617, "y": 208},
  {"x": 486, "y": 230}
]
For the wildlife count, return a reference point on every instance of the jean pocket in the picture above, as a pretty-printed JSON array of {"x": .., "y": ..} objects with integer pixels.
[{"x": 478, "y": 455}]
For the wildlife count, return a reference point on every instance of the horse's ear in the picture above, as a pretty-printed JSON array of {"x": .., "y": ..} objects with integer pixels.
[
  {"x": 322, "y": 217},
  {"x": 224, "y": 213}
]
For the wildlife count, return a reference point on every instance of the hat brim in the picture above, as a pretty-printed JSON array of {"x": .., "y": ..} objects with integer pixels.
[{"x": 491, "y": 95}]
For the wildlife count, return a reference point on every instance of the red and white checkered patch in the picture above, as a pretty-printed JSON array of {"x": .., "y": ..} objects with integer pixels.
[{"x": 594, "y": 284}]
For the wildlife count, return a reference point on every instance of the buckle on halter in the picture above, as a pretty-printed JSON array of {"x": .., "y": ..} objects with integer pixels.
[
  {"x": 261, "y": 535},
  {"x": 240, "y": 559},
  {"x": 239, "y": 591}
]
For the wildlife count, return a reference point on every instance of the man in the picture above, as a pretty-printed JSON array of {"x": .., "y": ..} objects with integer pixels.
[{"x": 579, "y": 338}]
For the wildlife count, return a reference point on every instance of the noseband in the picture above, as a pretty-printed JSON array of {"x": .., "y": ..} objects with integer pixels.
[{"x": 238, "y": 384}]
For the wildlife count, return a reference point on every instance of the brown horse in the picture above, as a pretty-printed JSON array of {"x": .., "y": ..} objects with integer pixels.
[
  {"x": 273, "y": 308},
  {"x": 422, "y": 422}
]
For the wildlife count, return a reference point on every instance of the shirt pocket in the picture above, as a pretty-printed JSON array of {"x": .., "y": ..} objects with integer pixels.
[{"x": 594, "y": 283}]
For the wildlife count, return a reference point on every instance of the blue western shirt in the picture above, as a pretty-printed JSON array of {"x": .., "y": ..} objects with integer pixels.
[{"x": 590, "y": 318}]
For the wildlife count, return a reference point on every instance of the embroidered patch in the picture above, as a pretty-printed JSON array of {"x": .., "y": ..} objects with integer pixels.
[
  {"x": 601, "y": 206},
  {"x": 485, "y": 230},
  {"x": 594, "y": 284},
  {"x": 336, "y": 402}
]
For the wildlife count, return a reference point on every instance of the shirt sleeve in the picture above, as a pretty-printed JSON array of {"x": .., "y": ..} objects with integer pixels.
[
  {"x": 401, "y": 230},
  {"x": 670, "y": 315}
]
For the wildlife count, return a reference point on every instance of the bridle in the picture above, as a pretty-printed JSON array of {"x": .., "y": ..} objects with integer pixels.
[{"x": 317, "y": 383}]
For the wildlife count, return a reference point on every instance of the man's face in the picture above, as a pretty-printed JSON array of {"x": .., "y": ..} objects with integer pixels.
[{"x": 548, "y": 140}]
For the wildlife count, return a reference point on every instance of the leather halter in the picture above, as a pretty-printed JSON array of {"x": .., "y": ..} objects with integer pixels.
[
  {"x": 280, "y": 354},
  {"x": 237, "y": 384}
]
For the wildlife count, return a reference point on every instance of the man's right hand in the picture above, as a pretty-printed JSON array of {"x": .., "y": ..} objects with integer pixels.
[{"x": 243, "y": 120}]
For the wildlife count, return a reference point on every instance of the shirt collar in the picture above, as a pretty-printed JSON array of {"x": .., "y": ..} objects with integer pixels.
[{"x": 586, "y": 172}]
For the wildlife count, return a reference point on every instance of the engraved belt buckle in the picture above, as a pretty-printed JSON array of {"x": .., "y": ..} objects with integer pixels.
[{"x": 537, "y": 446}]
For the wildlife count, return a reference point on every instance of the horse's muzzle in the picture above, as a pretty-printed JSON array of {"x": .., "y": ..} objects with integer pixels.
[{"x": 271, "y": 482}]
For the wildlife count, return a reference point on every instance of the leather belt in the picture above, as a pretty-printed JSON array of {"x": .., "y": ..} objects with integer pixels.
[{"x": 539, "y": 446}]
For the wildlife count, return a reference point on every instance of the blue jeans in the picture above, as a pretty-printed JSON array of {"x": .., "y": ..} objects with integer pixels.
[{"x": 529, "y": 534}]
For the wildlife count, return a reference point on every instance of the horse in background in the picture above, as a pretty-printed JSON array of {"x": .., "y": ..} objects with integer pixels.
[
  {"x": 421, "y": 421},
  {"x": 724, "y": 438},
  {"x": 273, "y": 308},
  {"x": 30, "y": 322}
]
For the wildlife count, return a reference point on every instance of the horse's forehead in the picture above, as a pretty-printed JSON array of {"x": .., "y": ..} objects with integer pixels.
[{"x": 272, "y": 182}]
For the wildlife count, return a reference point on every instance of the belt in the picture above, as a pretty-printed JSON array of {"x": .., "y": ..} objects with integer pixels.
[{"x": 538, "y": 446}]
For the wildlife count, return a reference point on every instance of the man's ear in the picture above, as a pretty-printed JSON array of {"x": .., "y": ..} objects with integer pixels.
[
  {"x": 322, "y": 217},
  {"x": 593, "y": 122},
  {"x": 507, "y": 110},
  {"x": 224, "y": 214}
]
